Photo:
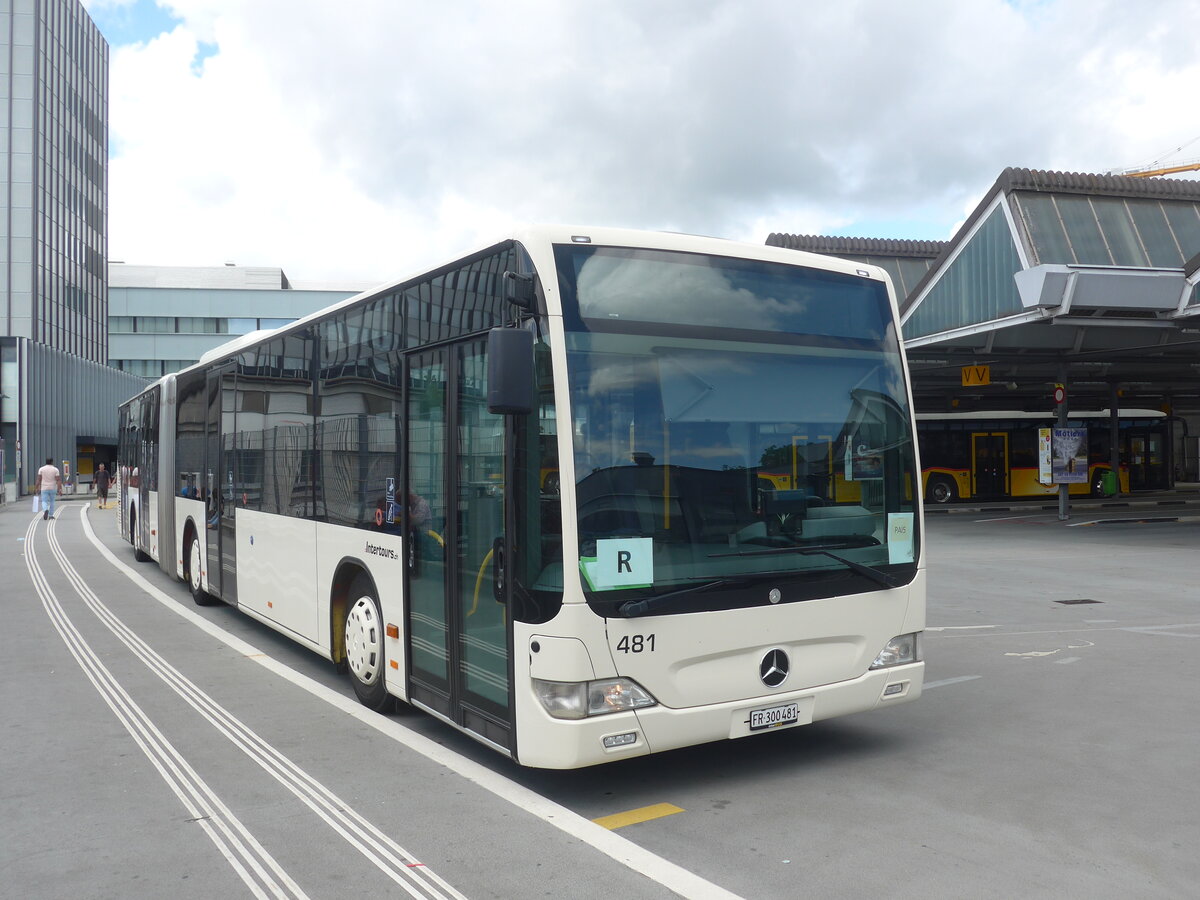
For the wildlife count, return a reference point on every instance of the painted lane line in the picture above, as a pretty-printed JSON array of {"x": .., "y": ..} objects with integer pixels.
[
  {"x": 207, "y": 810},
  {"x": 1146, "y": 520},
  {"x": 946, "y": 681},
  {"x": 233, "y": 840},
  {"x": 672, "y": 876},
  {"x": 336, "y": 813},
  {"x": 958, "y": 627},
  {"x": 1165, "y": 630},
  {"x": 1066, "y": 660},
  {"x": 636, "y": 816},
  {"x": 377, "y": 847}
]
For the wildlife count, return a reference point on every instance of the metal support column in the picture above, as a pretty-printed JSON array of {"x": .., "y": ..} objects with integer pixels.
[
  {"x": 1114, "y": 435},
  {"x": 1064, "y": 490}
]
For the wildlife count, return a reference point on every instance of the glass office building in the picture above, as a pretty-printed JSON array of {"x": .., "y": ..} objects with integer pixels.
[
  {"x": 55, "y": 143},
  {"x": 55, "y": 387}
]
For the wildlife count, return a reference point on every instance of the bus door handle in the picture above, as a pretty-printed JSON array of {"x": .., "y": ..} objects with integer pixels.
[
  {"x": 498, "y": 569},
  {"x": 412, "y": 551}
]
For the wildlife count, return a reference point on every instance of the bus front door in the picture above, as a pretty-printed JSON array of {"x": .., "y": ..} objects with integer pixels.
[
  {"x": 458, "y": 632},
  {"x": 989, "y": 453}
]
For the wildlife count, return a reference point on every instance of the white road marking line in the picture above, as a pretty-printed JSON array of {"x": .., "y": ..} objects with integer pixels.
[
  {"x": 672, "y": 876},
  {"x": 1164, "y": 630},
  {"x": 946, "y": 681},
  {"x": 389, "y": 857},
  {"x": 958, "y": 627},
  {"x": 232, "y": 839},
  {"x": 1067, "y": 659}
]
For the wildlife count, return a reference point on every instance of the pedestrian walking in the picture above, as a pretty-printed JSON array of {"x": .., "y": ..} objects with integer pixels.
[
  {"x": 103, "y": 479},
  {"x": 50, "y": 485}
]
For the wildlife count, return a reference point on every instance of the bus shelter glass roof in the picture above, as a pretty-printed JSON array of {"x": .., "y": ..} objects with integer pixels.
[{"x": 1108, "y": 231}]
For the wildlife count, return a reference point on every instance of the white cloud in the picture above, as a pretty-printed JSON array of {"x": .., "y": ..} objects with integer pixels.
[{"x": 364, "y": 141}]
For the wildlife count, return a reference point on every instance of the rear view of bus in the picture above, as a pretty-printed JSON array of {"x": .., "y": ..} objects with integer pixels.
[{"x": 727, "y": 534}]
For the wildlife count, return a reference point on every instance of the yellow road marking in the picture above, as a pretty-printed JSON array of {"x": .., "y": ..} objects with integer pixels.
[{"x": 633, "y": 816}]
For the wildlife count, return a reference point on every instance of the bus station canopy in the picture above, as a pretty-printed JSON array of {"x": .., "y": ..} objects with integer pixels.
[{"x": 1086, "y": 280}]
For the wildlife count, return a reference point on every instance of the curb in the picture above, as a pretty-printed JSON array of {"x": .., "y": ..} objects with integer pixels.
[{"x": 1053, "y": 507}]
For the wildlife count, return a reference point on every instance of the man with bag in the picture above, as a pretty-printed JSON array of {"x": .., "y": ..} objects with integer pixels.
[{"x": 49, "y": 483}]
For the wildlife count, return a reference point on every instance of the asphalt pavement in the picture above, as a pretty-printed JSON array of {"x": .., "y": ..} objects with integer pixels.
[{"x": 152, "y": 748}]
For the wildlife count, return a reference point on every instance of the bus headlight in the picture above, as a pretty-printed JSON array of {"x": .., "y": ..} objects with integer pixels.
[
  {"x": 579, "y": 699},
  {"x": 903, "y": 648}
]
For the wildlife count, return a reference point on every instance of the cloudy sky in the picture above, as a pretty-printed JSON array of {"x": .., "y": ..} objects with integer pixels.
[{"x": 365, "y": 140}]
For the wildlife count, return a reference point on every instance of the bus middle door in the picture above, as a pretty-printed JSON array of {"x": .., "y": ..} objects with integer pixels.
[{"x": 989, "y": 457}]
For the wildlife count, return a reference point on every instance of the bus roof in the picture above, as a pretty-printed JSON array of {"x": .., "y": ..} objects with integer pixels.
[{"x": 546, "y": 235}]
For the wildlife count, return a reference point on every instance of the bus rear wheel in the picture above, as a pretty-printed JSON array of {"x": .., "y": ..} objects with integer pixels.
[
  {"x": 940, "y": 489},
  {"x": 139, "y": 554},
  {"x": 364, "y": 646}
]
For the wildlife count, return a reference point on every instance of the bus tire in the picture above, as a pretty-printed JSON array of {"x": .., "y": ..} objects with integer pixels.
[
  {"x": 365, "y": 659},
  {"x": 139, "y": 555},
  {"x": 192, "y": 567},
  {"x": 940, "y": 489}
]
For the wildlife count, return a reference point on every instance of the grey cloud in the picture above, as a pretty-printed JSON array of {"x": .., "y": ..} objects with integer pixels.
[{"x": 695, "y": 114}]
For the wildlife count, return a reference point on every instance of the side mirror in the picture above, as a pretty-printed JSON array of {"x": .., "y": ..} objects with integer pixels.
[
  {"x": 519, "y": 289},
  {"x": 510, "y": 371}
]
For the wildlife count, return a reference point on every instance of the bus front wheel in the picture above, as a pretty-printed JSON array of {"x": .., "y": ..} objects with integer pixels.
[
  {"x": 940, "y": 490},
  {"x": 194, "y": 567},
  {"x": 364, "y": 646}
]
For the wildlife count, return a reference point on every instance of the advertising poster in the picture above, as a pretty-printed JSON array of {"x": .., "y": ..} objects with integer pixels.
[
  {"x": 1045, "y": 457},
  {"x": 1070, "y": 451}
]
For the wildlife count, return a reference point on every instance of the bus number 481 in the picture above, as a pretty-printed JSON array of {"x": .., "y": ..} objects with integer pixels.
[{"x": 636, "y": 643}]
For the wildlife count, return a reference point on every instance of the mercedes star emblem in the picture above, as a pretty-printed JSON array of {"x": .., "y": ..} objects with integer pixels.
[{"x": 773, "y": 670}]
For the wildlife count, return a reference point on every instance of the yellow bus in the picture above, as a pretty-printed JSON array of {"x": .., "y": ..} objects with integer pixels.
[{"x": 989, "y": 455}]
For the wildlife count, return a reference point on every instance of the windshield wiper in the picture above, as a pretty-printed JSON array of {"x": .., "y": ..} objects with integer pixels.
[
  {"x": 876, "y": 575},
  {"x": 631, "y": 609},
  {"x": 841, "y": 544}
]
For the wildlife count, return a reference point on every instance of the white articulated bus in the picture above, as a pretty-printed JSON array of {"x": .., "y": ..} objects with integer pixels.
[{"x": 585, "y": 494}]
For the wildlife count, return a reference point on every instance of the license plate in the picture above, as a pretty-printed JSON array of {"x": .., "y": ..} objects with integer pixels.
[{"x": 774, "y": 716}]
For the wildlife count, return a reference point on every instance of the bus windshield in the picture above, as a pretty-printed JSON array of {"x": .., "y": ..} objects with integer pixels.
[{"x": 741, "y": 432}]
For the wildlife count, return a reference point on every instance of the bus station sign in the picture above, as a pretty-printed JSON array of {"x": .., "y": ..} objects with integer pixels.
[{"x": 973, "y": 376}]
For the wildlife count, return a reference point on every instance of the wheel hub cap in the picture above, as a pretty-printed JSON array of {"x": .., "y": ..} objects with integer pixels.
[
  {"x": 194, "y": 567},
  {"x": 364, "y": 641}
]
